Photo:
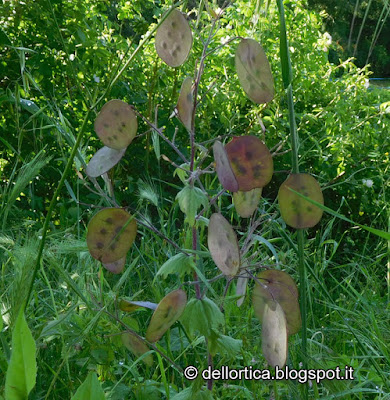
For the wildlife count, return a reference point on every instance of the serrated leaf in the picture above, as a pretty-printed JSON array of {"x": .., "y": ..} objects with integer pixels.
[
  {"x": 174, "y": 39},
  {"x": 224, "y": 170},
  {"x": 246, "y": 203},
  {"x": 274, "y": 334},
  {"x": 22, "y": 369},
  {"x": 278, "y": 286},
  {"x": 90, "y": 389},
  {"x": 185, "y": 104},
  {"x": 116, "y": 124},
  {"x": 178, "y": 264},
  {"x": 254, "y": 72},
  {"x": 190, "y": 199},
  {"x": 137, "y": 347},
  {"x": 166, "y": 314},
  {"x": 130, "y": 306},
  {"x": 223, "y": 245},
  {"x": 202, "y": 315},
  {"x": 296, "y": 211},
  {"x": 103, "y": 160}
]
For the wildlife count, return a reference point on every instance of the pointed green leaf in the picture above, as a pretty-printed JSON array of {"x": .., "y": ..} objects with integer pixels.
[
  {"x": 178, "y": 264},
  {"x": 190, "y": 199},
  {"x": 167, "y": 313},
  {"x": 22, "y": 369},
  {"x": 202, "y": 315},
  {"x": 90, "y": 389}
]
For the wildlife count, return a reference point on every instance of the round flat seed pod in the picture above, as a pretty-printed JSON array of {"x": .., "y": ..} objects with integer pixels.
[
  {"x": 137, "y": 347},
  {"x": 130, "y": 306},
  {"x": 254, "y": 72},
  {"x": 111, "y": 232},
  {"x": 274, "y": 335},
  {"x": 280, "y": 287},
  {"x": 296, "y": 211},
  {"x": 116, "y": 124},
  {"x": 185, "y": 103},
  {"x": 242, "y": 283},
  {"x": 174, "y": 39},
  {"x": 246, "y": 203},
  {"x": 223, "y": 245},
  {"x": 167, "y": 313},
  {"x": 116, "y": 267},
  {"x": 103, "y": 160},
  {"x": 223, "y": 168},
  {"x": 251, "y": 162}
]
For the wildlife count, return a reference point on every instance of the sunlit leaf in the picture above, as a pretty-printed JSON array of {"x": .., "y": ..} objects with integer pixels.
[
  {"x": 254, "y": 72},
  {"x": 167, "y": 313},
  {"x": 296, "y": 211},
  {"x": 116, "y": 124},
  {"x": 185, "y": 103},
  {"x": 251, "y": 162},
  {"x": 111, "y": 232},
  {"x": 223, "y": 245},
  {"x": 103, "y": 160},
  {"x": 246, "y": 203},
  {"x": 174, "y": 39}
]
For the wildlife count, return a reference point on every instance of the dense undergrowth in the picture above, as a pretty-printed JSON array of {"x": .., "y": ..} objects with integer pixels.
[{"x": 59, "y": 60}]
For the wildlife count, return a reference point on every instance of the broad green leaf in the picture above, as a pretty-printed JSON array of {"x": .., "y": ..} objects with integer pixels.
[
  {"x": 137, "y": 347},
  {"x": 185, "y": 104},
  {"x": 224, "y": 345},
  {"x": 274, "y": 334},
  {"x": 246, "y": 203},
  {"x": 178, "y": 264},
  {"x": 278, "y": 286},
  {"x": 254, "y": 72},
  {"x": 166, "y": 314},
  {"x": 103, "y": 160},
  {"x": 191, "y": 393},
  {"x": 130, "y": 306},
  {"x": 251, "y": 162},
  {"x": 116, "y": 124},
  {"x": 182, "y": 172},
  {"x": 190, "y": 199},
  {"x": 223, "y": 245},
  {"x": 111, "y": 232},
  {"x": 90, "y": 389},
  {"x": 297, "y": 212},
  {"x": 22, "y": 368},
  {"x": 223, "y": 168},
  {"x": 174, "y": 39},
  {"x": 202, "y": 315}
]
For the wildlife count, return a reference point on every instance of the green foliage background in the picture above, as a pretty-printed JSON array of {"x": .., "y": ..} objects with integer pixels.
[{"x": 56, "y": 58}]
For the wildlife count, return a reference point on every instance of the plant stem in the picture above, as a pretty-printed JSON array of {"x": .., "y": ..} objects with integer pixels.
[
  {"x": 287, "y": 82},
  {"x": 53, "y": 202}
]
